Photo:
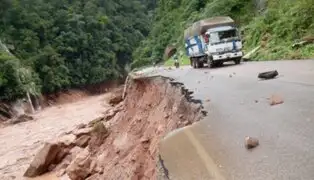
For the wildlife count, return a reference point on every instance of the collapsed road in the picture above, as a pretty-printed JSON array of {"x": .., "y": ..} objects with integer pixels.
[{"x": 238, "y": 106}]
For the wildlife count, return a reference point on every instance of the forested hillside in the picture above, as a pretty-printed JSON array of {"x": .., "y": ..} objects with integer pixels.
[
  {"x": 63, "y": 44},
  {"x": 67, "y": 43},
  {"x": 272, "y": 24}
]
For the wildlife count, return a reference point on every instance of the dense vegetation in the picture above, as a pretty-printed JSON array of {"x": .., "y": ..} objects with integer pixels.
[
  {"x": 61, "y": 44},
  {"x": 274, "y": 25},
  {"x": 67, "y": 43}
]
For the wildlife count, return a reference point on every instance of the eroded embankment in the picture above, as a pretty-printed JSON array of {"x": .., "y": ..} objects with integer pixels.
[{"x": 124, "y": 143}]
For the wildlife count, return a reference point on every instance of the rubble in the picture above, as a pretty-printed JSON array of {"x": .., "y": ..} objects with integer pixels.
[
  {"x": 275, "y": 100},
  {"x": 251, "y": 143},
  {"x": 43, "y": 159}
]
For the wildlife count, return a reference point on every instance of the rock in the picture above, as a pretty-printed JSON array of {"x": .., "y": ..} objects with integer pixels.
[
  {"x": 99, "y": 134},
  {"x": 145, "y": 140},
  {"x": 67, "y": 140},
  {"x": 181, "y": 116},
  {"x": 79, "y": 168},
  {"x": 95, "y": 177},
  {"x": 230, "y": 75},
  {"x": 116, "y": 97},
  {"x": 80, "y": 132},
  {"x": 256, "y": 101},
  {"x": 43, "y": 159},
  {"x": 251, "y": 142},
  {"x": 95, "y": 121},
  {"x": 166, "y": 116},
  {"x": 81, "y": 126},
  {"x": 82, "y": 141},
  {"x": 275, "y": 100},
  {"x": 75, "y": 151},
  {"x": 109, "y": 114}
]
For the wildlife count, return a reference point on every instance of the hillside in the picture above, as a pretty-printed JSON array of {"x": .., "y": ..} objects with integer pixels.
[
  {"x": 67, "y": 43},
  {"x": 274, "y": 25}
]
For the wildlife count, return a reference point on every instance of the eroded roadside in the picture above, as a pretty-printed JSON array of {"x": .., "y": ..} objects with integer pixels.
[
  {"x": 122, "y": 143},
  {"x": 19, "y": 143}
]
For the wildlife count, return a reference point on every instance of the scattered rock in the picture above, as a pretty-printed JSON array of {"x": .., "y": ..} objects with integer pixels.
[
  {"x": 116, "y": 97},
  {"x": 275, "y": 100},
  {"x": 251, "y": 142},
  {"x": 166, "y": 116},
  {"x": 95, "y": 121},
  {"x": 230, "y": 75},
  {"x": 80, "y": 132},
  {"x": 256, "y": 101},
  {"x": 109, "y": 114},
  {"x": 205, "y": 72},
  {"x": 181, "y": 116},
  {"x": 95, "y": 177},
  {"x": 67, "y": 140},
  {"x": 82, "y": 141},
  {"x": 43, "y": 159},
  {"x": 99, "y": 134},
  {"x": 79, "y": 168},
  {"x": 81, "y": 126},
  {"x": 145, "y": 140}
]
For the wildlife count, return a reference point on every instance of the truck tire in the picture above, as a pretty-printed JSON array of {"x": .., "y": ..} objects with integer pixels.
[
  {"x": 219, "y": 63},
  {"x": 237, "y": 61},
  {"x": 200, "y": 64},
  {"x": 194, "y": 64},
  {"x": 210, "y": 62},
  {"x": 191, "y": 62},
  {"x": 268, "y": 75}
]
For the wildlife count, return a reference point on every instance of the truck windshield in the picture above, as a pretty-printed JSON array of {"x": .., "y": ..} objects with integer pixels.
[{"x": 216, "y": 37}]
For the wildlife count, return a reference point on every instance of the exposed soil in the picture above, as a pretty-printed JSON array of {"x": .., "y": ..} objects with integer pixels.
[
  {"x": 120, "y": 143},
  {"x": 20, "y": 142}
]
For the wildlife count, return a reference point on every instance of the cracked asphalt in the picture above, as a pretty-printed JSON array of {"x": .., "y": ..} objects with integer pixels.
[{"x": 238, "y": 106}]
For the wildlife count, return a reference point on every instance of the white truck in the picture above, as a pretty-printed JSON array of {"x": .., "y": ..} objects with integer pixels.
[{"x": 213, "y": 41}]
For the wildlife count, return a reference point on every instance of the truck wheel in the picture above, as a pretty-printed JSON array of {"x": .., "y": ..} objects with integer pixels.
[
  {"x": 200, "y": 64},
  {"x": 210, "y": 62},
  {"x": 194, "y": 64},
  {"x": 191, "y": 62},
  {"x": 237, "y": 61},
  {"x": 219, "y": 63}
]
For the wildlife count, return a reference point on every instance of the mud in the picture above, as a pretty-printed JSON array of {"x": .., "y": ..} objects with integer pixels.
[
  {"x": 153, "y": 107},
  {"x": 19, "y": 143}
]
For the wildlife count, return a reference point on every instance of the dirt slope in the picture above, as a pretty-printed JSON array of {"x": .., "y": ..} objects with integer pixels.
[{"x": 124, "y": 144}]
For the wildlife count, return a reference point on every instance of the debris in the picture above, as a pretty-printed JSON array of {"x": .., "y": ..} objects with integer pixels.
[
  {"x": 251, "y": 142},
  {"x": 230, "y": 75},
  {"x": 268, "y": 75},
  {"x": 275, "y": 100},
  {"x": 256, "y": 101},
  {"x": 82, "y": 141},
  {"x": 43, "y": 159},
  {"x": 79, "y": 167}
]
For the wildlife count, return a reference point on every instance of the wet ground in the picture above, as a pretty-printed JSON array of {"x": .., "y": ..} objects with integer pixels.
[
  {"x": 238, "y": 106},
  {"x": 20, "y": 142}
]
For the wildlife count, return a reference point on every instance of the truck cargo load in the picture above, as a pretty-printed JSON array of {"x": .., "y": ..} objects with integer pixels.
[{"x": 201, "y": 26}]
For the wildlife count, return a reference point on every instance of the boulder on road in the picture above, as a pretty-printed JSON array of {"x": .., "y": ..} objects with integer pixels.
[{"x": 43, "y": 159}]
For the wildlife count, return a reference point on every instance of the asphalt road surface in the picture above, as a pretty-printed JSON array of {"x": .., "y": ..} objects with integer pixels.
[{"x": 238, "y": 106}]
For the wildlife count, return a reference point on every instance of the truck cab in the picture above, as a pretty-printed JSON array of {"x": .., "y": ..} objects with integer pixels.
[
  {"x": 223, "y": 44},
  {"x": 213, "y": 41}
]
